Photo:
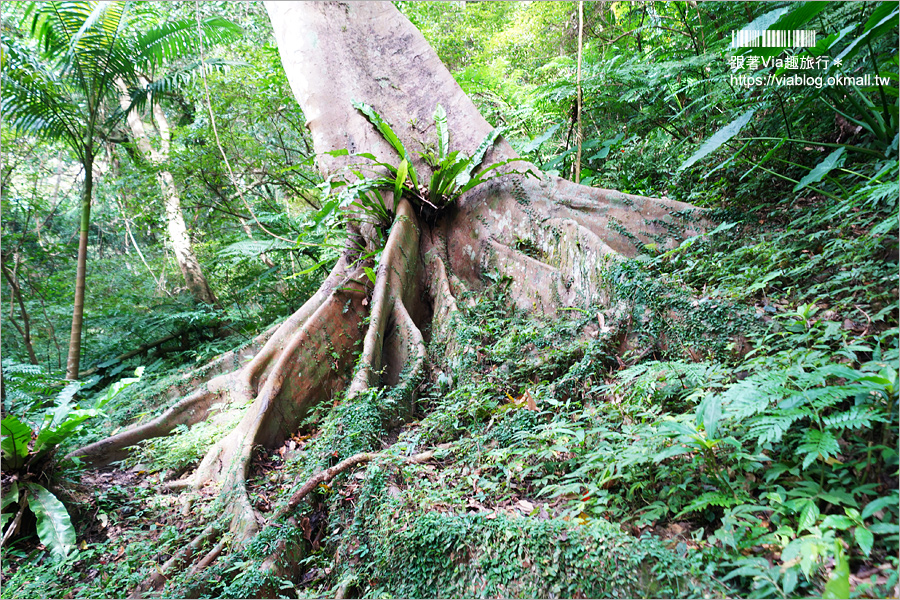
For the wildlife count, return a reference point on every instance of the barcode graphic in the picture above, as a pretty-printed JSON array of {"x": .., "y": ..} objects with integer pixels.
[{"x": 793, "y": 38}]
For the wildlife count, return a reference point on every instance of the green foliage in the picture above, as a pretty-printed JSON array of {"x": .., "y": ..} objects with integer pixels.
[
  {"x": 53, "y": 524},
  {"x": 29, "y": 450},
  {"x": 453, "y": 173},
  {"x": 720, "y": 137}
]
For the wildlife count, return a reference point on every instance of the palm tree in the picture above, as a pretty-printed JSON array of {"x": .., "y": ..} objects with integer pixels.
[{"x": 65, "y": 87}]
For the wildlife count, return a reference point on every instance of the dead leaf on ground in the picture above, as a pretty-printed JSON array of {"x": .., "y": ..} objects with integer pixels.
[{"x": 525, "y": 506}]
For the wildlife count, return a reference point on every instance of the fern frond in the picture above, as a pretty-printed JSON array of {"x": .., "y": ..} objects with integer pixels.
[
  {"x": 771, "y": 428},
  {"x": 251, "y": 249},
  {"x": 708, "y": 499},
  {"x": 754, "y": 394},
  {"x": 858, "y": 417},
  {"x": 818, "y": 444},
  {"x": 820, "y": 398}
]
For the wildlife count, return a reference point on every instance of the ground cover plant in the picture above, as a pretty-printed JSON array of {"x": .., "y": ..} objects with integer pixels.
[{"x": 418, "y": 376}]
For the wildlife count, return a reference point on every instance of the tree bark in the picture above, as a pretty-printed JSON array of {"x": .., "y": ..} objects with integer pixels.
[
  {"x": 25, "y": 328},
  {"x": 74, "y": 358},
  {"x": 178, "y": 234},
  {"x": 549, "y": 235}
]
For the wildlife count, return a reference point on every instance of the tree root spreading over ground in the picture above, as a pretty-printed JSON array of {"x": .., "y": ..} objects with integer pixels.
[{"x": 550, "y": 236}]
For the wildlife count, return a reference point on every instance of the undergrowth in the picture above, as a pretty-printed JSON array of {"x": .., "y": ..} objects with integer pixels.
[{"x": 726, "y": 426}]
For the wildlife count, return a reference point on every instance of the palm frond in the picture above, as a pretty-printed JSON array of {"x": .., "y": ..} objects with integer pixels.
[
  {"x": 84, "y": 40},
  {"x": 175, "y": 80},
  {"x": 37, "y": 102},
  {"x": 178, "y": 38}
]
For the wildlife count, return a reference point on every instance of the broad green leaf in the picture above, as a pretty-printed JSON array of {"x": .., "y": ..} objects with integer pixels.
[
  {"x": 838, "y": 497},
  {"x": 709, "y": 413},
  {"x": 746, "y": 571},
  {"x": 64, "y": 402},
  {"x": 114, "y": 390},
  {"x": 671, "y": 451},
  {"x": 443, "y": 134},
  {"x": 883, "y": 528},
  {"x": 370, "y": 273},
  {"x": 872, "y": 28},
  {"x": 16, "y": 436},
  {"x": 482, "y": 149},
  {"x": 799, "y": 14},
  {"x": 877, "y": 504},
  {"x": 837, "y": 522},
  {"x": 821, "y": 170},
  {"x": 763, "y": 22},
  {"x": 402, "y": 171},
  {"x": 388, "y": 134},
  {"x": 838, "y": 584},
  {"x": 720, "y": 137},
  {"x": 864, "y": 538},
  {"x": 310, "y": 269},
  {"x": 53, "y": 523},
  {"x": 49, "y": 438},
  {"x": 539, "y": 140},
  {"x": 809, "y": 514},
  {"x": 789, "y": 583}
]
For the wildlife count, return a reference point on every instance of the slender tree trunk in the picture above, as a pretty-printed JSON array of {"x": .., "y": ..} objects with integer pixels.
[
  {"x": 579, "y": 134},
  {"x": 74, "y": 360},
  {"x": 175, "y": 225},
  {"x": 24, "y": 329}
]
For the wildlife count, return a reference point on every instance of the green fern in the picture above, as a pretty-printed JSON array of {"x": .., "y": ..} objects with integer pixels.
[
  {"x": 708, "y": 499},
  {"x": 857, "y": 417},
  {"x": 770, "y": 428},
  {"x": 755, "y": 394},
  {"x": 817, "y": 444},
  {"x": 246, "y": 250}
]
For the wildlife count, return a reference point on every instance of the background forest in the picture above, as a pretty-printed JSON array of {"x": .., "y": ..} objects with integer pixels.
[{"x": 744, "y": 445}]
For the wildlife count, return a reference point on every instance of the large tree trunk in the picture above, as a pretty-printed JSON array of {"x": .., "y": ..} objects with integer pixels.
[
  {"x": 550, "y": 235},
  {"x": 178, "y": 234}
]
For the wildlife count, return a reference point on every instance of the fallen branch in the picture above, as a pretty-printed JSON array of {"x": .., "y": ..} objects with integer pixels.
[{"x": 132, "y": 353}]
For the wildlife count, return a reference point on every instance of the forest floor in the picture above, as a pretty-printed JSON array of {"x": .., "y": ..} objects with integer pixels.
[{"x": 727, "y": 426}]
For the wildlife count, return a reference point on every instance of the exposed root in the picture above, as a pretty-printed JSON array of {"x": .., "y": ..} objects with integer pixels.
[
  {"x": 158, "y": 578},
  {"x": 405, "y": 356},
  {"x": 191, "y": 409},
  {"x": 305, "y": 372},
  {"x": 536, "y": 231},
  {"x": 210, "y": 557},
  {"x": 341, "y": 592},
  {"x": 394, "y": 285},
  {"x": 239, "y": 386},
  {"x": 332, "y": 472}
]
